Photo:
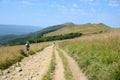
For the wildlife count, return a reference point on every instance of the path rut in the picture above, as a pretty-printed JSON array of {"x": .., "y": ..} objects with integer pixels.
[
  {"x": 76, "y": 71},
  {"x": 59, "y": 70}
]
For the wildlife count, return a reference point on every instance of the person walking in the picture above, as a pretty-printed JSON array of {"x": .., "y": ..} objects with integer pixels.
[{"x": 27, "y": 47}]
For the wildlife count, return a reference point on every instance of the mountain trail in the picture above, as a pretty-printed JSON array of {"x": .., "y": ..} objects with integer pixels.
[
  {"x": 76, "y": 71},
  {"x": 35, "y": 67},
  {"x": 30, "y": 68}
]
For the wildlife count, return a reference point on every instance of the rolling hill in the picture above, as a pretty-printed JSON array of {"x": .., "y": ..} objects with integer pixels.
[
  {"x": 60, "y": 32},
  {"x": 75, "y": 28}
]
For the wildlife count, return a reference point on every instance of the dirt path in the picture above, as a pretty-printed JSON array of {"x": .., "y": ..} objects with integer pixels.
[
  {"x": 59, "y": 70},
  {"x": 30, "y": 68},
  {"x": 76, "y": 72},
  {"x": 34, "y": 67}
]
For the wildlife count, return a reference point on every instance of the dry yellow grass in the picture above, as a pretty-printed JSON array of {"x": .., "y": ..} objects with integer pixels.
[
  {"x": 112, "y": 33},
  {"x": 98, "y": 55},
  {"x": 12, "y": 54},
  {"x": 85, "y": 29}
]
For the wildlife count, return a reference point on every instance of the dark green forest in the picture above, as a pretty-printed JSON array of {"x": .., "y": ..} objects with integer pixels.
[{"x": 40, "y": 38}]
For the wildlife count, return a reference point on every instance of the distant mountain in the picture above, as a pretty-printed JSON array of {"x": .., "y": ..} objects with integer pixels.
[
  {"x": 10, "y": 32},
  {"x": 8, "y": 37},
  {"x": 16, "y": 29},
  {"x": 67, "y": 29}
]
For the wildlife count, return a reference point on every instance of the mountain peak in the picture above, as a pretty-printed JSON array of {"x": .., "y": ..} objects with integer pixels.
[{"x": 69, "y": 23}]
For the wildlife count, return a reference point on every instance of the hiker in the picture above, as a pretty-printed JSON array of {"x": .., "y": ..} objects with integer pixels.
[{"x": 27, "y": 46}]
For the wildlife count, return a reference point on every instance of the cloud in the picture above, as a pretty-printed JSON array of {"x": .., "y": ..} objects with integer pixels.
[
  {"x": 92, "y": 2},
  {"x": 26, "y": 3},
  {"x": 76, "y": 10},
  {"x": 87, "y": 1},
  {"x": 73, "y": 10},
  {"x": 114, "y": 3},
  {"x": 75, "y": 5},
  {"x": 60, "y": 7}
]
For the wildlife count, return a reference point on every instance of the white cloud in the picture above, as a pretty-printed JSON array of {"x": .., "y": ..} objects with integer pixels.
[
  {"x": 114, "y": 3},
  {"x": 26, "y": 3},
  {"x": 60, "y": 7},
  {"x": 73, "y": 11},
  {"x": 88, "y": 1},
  {"x": 75, "y": 5},
  {"x": 91, "y": 2}
]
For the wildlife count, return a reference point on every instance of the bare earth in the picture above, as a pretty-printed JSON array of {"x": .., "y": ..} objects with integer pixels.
[
  {"x": 76, "y": 72},
  {"x": 59, "y": 70},
  {"x": 30, "y": 68},
  {"x": 34, "y": 67}
]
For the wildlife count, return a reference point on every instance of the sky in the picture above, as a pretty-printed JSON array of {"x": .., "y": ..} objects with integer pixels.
[{"x": 46, "y": 13}]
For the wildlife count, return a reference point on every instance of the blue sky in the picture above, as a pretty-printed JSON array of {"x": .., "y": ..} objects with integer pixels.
[{"x": 46, "y": 13}]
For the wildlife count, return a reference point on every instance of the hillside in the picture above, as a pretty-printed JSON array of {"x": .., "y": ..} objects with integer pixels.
[
  {"x": 32, "y": 37},
  {"x": 97, "y": 55},
  {"x": 84, "y": 29},
  {"x": 68, "y": 30},
  {"x": 11, "y": 32}
]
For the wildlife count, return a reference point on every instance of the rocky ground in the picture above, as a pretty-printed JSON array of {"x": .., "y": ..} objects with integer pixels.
[{"x": 30, "y": 68}]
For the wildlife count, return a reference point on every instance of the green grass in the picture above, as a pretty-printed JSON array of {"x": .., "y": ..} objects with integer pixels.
[
  {"x": 50, "y": 73},
  {"x": 98, "y": 55},
  {"x": 67, "y": 72}
]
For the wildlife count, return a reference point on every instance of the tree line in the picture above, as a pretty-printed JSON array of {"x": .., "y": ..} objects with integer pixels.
[{"x": 39, "y": 39}]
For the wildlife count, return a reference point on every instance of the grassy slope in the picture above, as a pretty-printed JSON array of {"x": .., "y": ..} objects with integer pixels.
[
  {"x": 98, "y": 55},
  {"x": 12, "y": 54},
  {"x": 85, "y": 29}
]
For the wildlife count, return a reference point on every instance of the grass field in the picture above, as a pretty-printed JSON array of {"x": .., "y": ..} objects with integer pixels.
[
  {"x": 98, "y": 55},
  {"x": 12, "y": 54}
]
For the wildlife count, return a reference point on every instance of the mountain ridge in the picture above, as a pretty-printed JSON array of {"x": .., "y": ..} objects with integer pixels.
[
  {"x": 80, "y": 28},
  {"x": 61, "y": 31}
]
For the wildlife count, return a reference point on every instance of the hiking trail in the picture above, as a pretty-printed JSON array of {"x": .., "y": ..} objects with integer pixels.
[
  {"x": 30, "y": 68},
  {"x": 36, "y": 66}
]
